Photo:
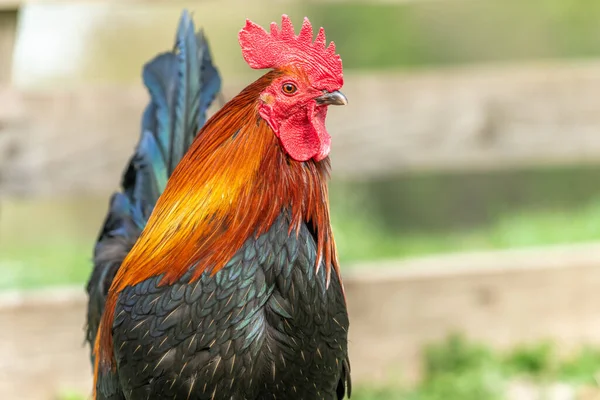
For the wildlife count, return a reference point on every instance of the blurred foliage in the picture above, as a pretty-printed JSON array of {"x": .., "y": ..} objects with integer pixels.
[
  {"x": 48, "y": 242},
  {"x": 458, "y": 369},
  {"x": 460, "y": 31},
  {"x": 361, "y": 238},
  {"x": 537, "y": 360},
  {"x": 581, "y": 367},
  {"x": 56, "y": 261},
  {"x": 68, "y": 395},
  {"x": 455, "y": 355},
  {"x": 446, "y": 201}
]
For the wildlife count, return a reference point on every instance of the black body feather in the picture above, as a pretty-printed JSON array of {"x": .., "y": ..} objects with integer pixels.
[{"x": 264, "y": 327}]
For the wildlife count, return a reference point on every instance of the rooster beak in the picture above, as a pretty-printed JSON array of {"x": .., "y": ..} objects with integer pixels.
[{"x": 336, "y": 98}]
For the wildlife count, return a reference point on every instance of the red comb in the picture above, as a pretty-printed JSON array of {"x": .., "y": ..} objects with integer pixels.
[{"x": 282, "y": 47}]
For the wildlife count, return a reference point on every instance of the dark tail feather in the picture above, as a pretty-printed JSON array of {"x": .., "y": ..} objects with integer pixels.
[{"x": 182, "y": 86}]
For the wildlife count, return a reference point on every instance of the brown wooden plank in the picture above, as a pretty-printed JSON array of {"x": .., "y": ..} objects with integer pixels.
[{"x": 462, "y": 119}]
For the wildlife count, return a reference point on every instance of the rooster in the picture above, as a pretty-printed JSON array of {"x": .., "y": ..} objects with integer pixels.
[{"x": 223, "y": 282}]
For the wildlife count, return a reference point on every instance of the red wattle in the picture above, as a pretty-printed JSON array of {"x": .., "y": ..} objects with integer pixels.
[{"x": 304, "y": 136}]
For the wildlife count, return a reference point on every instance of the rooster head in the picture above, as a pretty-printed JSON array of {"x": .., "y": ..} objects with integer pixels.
[{"x": 308, "y": 77}]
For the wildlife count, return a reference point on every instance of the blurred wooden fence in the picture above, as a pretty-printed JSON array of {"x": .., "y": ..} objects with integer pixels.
[{"x": 459, "y": 119}]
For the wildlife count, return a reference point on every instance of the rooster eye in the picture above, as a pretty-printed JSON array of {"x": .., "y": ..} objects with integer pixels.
[{"x": 289, "y": 88}]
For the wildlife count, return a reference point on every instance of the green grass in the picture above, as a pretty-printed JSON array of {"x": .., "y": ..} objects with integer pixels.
[
  {"x": 363, "y": 239},
  {"x": 57, "y": 261},
  {"x": 48, "y": 242}
]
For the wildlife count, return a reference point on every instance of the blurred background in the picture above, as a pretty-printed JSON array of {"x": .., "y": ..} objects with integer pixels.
[{"x": 465, "y": 189}]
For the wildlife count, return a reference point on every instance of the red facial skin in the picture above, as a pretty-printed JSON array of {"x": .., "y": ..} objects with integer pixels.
[{"x": 295, "y": 117}]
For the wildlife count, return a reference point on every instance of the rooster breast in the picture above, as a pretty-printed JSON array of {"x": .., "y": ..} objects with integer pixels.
[{"x": 264, "y": 327}]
